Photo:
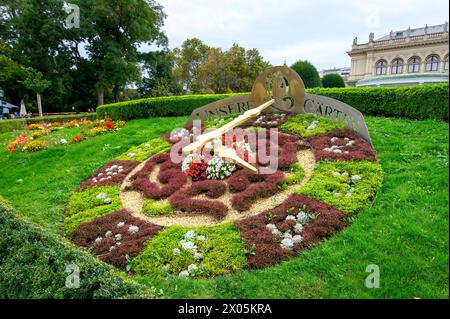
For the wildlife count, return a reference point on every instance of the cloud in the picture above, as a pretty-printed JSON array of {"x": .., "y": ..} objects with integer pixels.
[{"x": 320, "y": 31}]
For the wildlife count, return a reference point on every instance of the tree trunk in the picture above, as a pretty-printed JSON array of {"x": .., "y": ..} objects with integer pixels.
[
  {"x": 39, "y": 104},
  {"x": 116, "y": 93},
  {"x": 100, "y": 95}
]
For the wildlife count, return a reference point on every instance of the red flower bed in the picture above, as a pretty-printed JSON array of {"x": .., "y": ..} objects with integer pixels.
[
  {"x": 183, "y": 201},
  {"x": 265, "y": 246},
  {"x": 170, "y": 176},
  {"x": 197, "y": 171},
  {"x": 250, "y": 187},
  {"x": 341, "y": 144},
  {"x": 120, "y": 242},
  {"x": 112, "y": 173}
]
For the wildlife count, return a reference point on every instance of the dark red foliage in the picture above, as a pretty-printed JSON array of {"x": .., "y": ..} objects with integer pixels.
[
  {"x": 212, "y": 188},
  {"x": 118, "y": 178},
  {"x": 265, "y": 247},
  {"x": 183, "y": 201},
  {"x": 360, "y": 150},
  {"x": 197, "y": 171},
  {"x": 131, "y": 244},
  {"x": 170, "y": 177},
  {"x": 250, "y": 187}
]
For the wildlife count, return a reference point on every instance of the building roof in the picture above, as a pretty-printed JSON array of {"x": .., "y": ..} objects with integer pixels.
[
  {"x": 402, "y": 79},
  {"x": 414, "y": 32}
]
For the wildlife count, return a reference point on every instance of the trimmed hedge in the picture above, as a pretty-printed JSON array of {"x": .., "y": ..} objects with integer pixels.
[
  {"x": 158, "y": 106},
  {"x": 33, "y": 265},
  {"x": 412, "y": 102},
  {"x": 20, "y": 124}
]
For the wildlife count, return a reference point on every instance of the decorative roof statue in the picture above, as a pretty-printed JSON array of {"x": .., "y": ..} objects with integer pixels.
[
  {"x": 371, "y": 36},
  {"x": 355, "y": 41}
]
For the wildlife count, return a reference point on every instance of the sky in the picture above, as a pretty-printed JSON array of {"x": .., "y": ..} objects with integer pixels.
[{"x": 321, "y": 31}]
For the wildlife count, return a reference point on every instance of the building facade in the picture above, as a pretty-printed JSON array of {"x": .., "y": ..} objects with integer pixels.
[
  {"x": 343, "y": 72},
  {"x": 407, "y": 57}
]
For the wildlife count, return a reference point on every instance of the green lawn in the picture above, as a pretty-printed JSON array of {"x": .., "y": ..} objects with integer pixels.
[{"x": 405, "y": 233}]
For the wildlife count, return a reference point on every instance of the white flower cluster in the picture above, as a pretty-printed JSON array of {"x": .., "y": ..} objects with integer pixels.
[
  {"x": 108, "y": 174},
  {"x": 242, "y": 145},
  {"x": 263, "y": 120},
  {"x": 179, "y": 134},
  {"x": 189, "y": 244},
  {"x": 189, "y": 159},
  {"x": 338, "y": 148},
  {"x": 105, "y": 198},
  {"x": 63, "y": 141},
  {"x": 219, "y": 169},
  {"x": 291, "y": 236},
  {"x": 351, "y": 186},
  {"x": 117, "y": 237},
  {"x": 313, "y": 125}
]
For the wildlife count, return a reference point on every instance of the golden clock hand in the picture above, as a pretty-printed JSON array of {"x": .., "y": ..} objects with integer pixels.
[{"x": 205, "y": 138}]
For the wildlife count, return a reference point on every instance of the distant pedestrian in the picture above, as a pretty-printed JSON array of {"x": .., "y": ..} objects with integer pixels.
[{"x": 5, "y": 112}]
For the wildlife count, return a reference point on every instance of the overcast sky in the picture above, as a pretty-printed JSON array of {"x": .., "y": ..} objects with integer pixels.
[{"x": 320, "y": 31}]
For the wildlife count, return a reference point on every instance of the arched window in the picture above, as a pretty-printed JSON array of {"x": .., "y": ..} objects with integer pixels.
[
  {"x": 432, "y": 63},
  {"x": 381, "y": 67},
  {"x": 414, "y": 65},
  {"x": 446, "y": 63},
  {"x": 397, "y": 66}
]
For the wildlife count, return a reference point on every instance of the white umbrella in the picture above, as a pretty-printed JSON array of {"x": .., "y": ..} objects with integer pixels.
[{"x": 23, "y": 110}]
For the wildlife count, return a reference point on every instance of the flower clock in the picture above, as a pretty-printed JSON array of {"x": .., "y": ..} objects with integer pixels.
[{"x": 208, "y": 214}]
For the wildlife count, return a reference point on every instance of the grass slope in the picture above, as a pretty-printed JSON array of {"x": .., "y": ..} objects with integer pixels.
[
  {"x": 405, "y": 232},
  {"x": 39, "y": 184}
]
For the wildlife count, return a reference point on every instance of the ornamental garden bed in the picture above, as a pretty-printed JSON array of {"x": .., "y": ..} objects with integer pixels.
[{"x": 206, "y": 216}]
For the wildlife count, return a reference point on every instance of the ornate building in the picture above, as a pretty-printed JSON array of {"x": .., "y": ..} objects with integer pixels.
[{"x": 407, "y": 57}]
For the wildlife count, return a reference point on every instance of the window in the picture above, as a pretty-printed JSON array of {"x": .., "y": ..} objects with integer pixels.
[
  {"x": 381, "y": 67},
  {"x": 432, "y": 63},
  {"x": 397, "y": 66},
  {"x": 414, "y": 65},
  {"x": 446, "y": 63}
]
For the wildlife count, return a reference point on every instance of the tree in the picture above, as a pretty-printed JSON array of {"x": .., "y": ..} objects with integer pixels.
[
  {"x": 34, "y": 33},
  {"x": 333, "y": 81},
  {"x": 188, "y": 59},
  {"x": 308, "y": 73},
  {"x": 115, "y": 31},
  {"x": 35, "y": 82},
  {"x": 158, "y": 79}
]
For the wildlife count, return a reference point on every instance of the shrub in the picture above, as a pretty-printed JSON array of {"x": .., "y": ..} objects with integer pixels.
[
  {"x": 84, "y": 206},
  {"x": 308, "y": 73},
  {"x": 157, "y": 207},
  {"x": 33, "y": 264},
  {"x": 306, "y": 125},
  {"x": 413, "y": 102},
  {"x": 95, "y": 131},
  {"x": 181, "y": 200},
  {"x": 295, "y": 174},
  {"x": 265, "y": 232},
  {"x": 157, "y": 107},
  {"x": 112, "y": 173},
  {"x": 145, "y": 150},
  {"x": 333, "y": 81},
  {"x": 89, "y": 198},
  {"x": 221, "y": 252},
  {"x": 116, "y": 237},
  {"x": 35, "y": 146},
  {"x": 341, "y": 144},
  {"x": 349, "y": 186}
]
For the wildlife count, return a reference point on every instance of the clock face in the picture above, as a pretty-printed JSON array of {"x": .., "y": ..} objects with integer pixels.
[{"x": 169, "y": 218}]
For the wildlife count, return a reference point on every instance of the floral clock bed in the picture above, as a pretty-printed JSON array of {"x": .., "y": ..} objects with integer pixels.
[{"x": 150, "y": 216}]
